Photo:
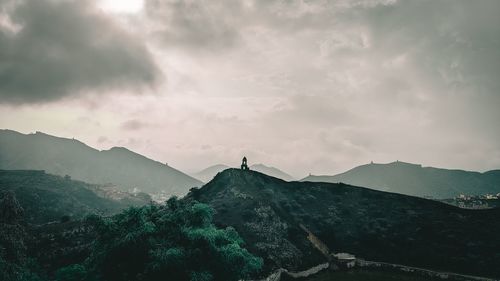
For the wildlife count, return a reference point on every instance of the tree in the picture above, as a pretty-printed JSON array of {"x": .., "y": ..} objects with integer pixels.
[
  {"x": 14, "y": 264},
  {"x": 11, "y": 211},
  {"x": 74, "y": 272},
  {"x": 178, "y": 241}
]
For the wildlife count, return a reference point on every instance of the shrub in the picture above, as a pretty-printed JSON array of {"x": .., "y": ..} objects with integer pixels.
[{"x": 177, "y": 241}]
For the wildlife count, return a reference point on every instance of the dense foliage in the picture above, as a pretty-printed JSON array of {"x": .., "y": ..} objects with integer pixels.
[
  {"x": 173, "y": 242},
  {"x": 46, "y": 198},
  {"x": 177, "y": 240},
  {"x": 14, "y": 263}
]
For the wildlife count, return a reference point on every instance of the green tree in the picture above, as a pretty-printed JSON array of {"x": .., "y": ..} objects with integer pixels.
[
  {"x": 74, "y": 272},
  {"x": 177, "y": 241}
]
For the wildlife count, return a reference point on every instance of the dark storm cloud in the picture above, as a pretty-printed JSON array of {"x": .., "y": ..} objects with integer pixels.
[
  {"x": 59, "y": 48},
  {"x": 216, "y": 26},
  {"x": 194, "y": 24}
]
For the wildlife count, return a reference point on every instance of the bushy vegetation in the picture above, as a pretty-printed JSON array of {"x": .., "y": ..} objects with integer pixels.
[
  {"x": 47, "y": 198},
  {"x": 176, "y": 241}
]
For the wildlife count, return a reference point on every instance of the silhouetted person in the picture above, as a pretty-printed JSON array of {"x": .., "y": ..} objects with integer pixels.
[{"x": 244, "y": 165}]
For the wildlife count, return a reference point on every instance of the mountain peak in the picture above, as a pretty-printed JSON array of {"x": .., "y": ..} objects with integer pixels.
[
  {"x": 118, "y": 165},
  {"x": 271, "y": 214},
  {"x": 272, "y": 171},
  {"x": 245, "y": 174},
  {"x": 413, "y": 179},
  {"x": 241, "y": 182},
  {"x": 120, "y": 149},
  {"x": 260, "y": 165},
  {"x": 404, "y": 164},
  {"x": 209, "y": 173}
]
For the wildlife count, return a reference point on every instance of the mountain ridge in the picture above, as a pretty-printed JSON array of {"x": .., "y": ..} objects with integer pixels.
[
  {"x": 117, "y": 165},
  {"x": 271, "y": 171},
  {"x": 210, "y": 172},
  {"x": 374, "y": 225},
  {"x": 416, "y": 180},
  {"x": 47, "y": 198}
]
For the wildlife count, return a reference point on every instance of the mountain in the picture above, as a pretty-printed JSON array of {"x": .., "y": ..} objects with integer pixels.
[
  {"x": 271, "y": 171},
  {"x": 279, "y": 220},
  {"x": 413, "y": 179},
  {"x": 47, "y": 198},
  {"x": 209, "y": 173},
  {"x": 118, "y": 166}
]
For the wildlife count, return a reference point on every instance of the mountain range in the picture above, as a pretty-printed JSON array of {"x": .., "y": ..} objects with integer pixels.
[
  {"x": 413, "y": 179},
  {"x": 292, "y": 225},
  {"x": 277, "y": 218},
  {"x": 118, "y": 166},
  {"x": 209, "y": 173}
]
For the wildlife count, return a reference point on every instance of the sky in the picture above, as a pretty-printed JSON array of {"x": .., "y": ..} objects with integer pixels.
[{"x": 307, "y": 86}]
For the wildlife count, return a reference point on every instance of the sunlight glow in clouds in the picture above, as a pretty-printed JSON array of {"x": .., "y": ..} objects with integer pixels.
[{"x": 122, "y": 6}]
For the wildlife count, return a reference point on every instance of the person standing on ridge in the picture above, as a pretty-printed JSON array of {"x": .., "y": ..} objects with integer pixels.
[{"x": 244, "y": 165}]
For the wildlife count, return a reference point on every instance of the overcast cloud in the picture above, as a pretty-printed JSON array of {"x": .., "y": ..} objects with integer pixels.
[
  {"x": 307, "y": 86},
  {"x": 51, "y": 49}
]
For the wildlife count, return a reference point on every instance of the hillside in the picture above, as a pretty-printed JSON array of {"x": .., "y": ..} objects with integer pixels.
[
  {"x": 267, "y": 212},
  {"x": 209, "y": 173},
  {"x": 177, "y": 241},
  {"x": 118, "y": 166},
  {"x": 271, "y": 171},
  {"x": 412, "y": 179},
  {"x": 47, "y": 198}
]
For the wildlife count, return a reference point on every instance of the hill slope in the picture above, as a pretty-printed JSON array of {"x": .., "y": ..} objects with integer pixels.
[
  {"x": 118, "y": 166},
  {"x": 271, "y": 171},
  {"x": 209, "y": 173},
  {"x": 374, "y": 225},
  {"x": 47, "y": 198},
  {"x": 412, "y": 179}
]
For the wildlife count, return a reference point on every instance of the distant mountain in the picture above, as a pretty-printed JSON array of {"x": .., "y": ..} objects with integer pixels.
[
  {"x": 118, "y": 166},
  {"x": 413, "y": 179},
  {"x": 277, "y": 220},
  {"x": 209, "y": 173},
  {"x": 47, "y": 198},
  {"x": 271, "y": 171}
]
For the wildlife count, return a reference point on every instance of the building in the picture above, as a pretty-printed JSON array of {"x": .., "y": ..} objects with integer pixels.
[{"x": 344, "y": 260}]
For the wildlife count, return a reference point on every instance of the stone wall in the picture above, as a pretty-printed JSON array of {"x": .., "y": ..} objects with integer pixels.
[
  {"x": 418, "y": 271},
  {"x": 278, "y": 274}
]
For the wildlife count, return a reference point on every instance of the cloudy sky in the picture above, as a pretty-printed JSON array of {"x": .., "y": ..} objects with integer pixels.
[{"x": 307, "y": 86}]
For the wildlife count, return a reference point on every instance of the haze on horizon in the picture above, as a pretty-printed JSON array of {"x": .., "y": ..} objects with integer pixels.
[{"x": 307, "y": 86}]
